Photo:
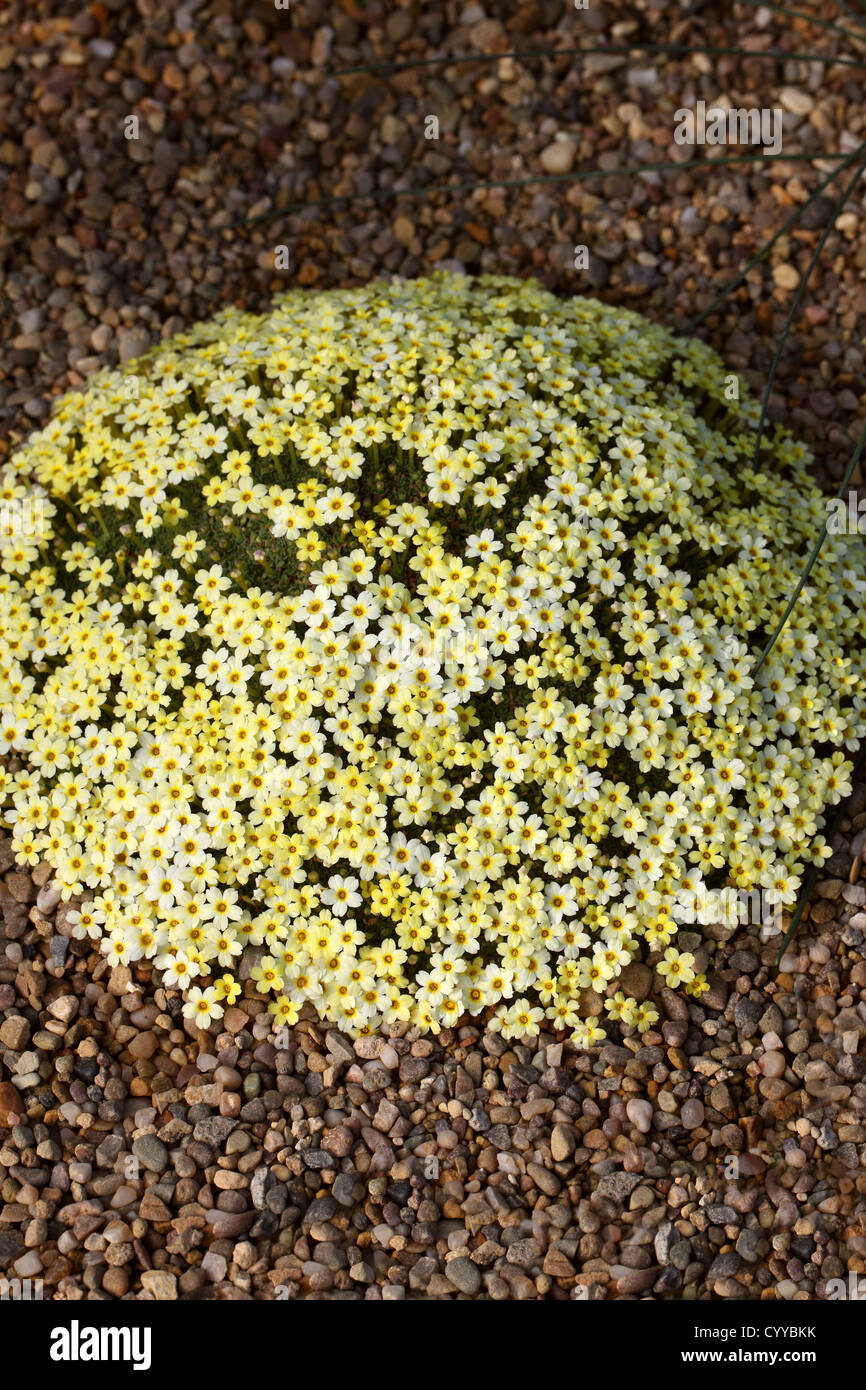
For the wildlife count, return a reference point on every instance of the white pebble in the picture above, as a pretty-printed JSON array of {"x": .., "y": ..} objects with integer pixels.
[
  {"x": 640, "y": 1112},
  {"x": 47, "y": 898}
]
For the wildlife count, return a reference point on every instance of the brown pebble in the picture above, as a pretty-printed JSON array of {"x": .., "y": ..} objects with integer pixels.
[
  {"x": 143, "y": 1046},
  {"x": 12, "y": 1105}
]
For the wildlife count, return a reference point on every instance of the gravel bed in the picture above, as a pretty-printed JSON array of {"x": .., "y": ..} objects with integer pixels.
[
  {"x": 108, "y": 243},
  {"x": 723, "y": 1156}
]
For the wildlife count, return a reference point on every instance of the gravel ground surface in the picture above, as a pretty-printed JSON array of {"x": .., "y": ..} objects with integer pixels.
[
  {"x": 140, "y": 1159},
  {"x": 723, "y": 1156},
  {"x": 108, "y": 243}
]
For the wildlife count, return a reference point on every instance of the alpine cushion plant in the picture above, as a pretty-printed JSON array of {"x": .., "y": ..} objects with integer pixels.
[{"x": 410, "y": 634}]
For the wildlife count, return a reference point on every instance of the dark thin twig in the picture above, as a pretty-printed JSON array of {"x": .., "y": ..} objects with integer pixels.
[
  {"x": 673, "y": 49},
  {"x": 801, "y": 14},
  {"x": 768, "y": 246},
  {"x": 656, "y": 167},
  {"x": 801, "y": 289},
  {"x": 858, "y": 15},
  {"x": 849, "y": 472},
  {"x": 815, "y": 870}
]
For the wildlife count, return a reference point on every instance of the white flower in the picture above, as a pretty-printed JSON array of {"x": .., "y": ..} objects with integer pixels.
[{"x": 341, "y": 894}]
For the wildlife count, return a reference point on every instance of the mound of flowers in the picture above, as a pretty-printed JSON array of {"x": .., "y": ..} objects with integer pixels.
[{"x": 398, "y": 650}]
